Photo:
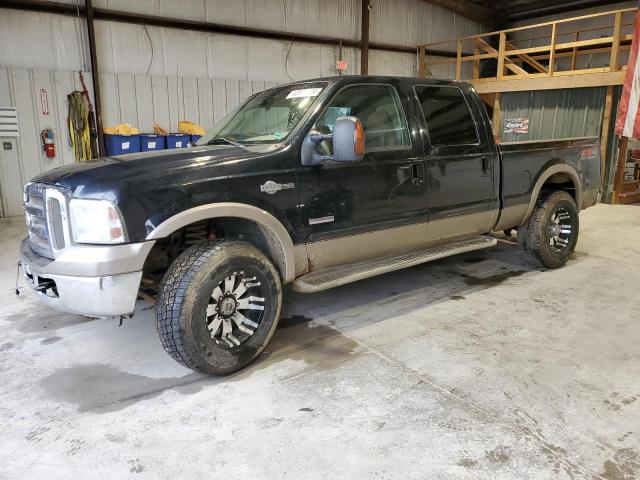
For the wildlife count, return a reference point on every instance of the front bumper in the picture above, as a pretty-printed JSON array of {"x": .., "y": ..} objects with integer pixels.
[{"x": 100, "y": 292}]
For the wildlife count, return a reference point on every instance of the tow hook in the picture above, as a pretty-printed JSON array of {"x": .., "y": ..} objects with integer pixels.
[
  {"x": 44, "y": 285},
  {"x": 18, "y": 278},
  {"x": 122, "y": 317}
]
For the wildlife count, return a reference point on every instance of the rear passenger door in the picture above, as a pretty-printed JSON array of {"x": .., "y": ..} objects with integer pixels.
[{"x": 462, "y": 163}]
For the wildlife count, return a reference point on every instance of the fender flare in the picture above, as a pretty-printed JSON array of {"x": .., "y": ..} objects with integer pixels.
[
  {"x": 236, "y": 210},
  {"x": 552, "y": 170}
]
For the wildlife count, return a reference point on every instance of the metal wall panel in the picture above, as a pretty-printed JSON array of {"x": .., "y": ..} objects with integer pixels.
[
  {"x": 411, "y": 22},
  {"x": 137, "y": 100},
  {"x": 21, "y": 88},
  {"x": 141, "y": 101},
  {"x": 339, "y": 18},
  {"x": 553, "y": 114},
  {"x": 56, "y": 42},
  {"x": 406, "y": 64}
]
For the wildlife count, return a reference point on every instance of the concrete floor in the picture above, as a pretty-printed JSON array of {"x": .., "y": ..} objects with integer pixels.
[{"x": 475, "y": 366}]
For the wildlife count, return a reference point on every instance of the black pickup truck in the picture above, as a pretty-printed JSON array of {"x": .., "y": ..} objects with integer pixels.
[{"x": 316, "y": 184}]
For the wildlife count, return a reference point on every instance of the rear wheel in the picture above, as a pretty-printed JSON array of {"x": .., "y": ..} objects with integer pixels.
[
  {"x": 549, "y": 237},
  {"x": 218, "y": 306}
]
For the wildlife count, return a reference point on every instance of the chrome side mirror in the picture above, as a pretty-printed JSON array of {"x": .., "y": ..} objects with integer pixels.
[{"x": 348, "y": 143}]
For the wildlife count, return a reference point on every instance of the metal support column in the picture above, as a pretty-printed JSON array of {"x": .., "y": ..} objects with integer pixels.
[
  {"x": 364, "y": 39},
  {"x": 95, "y": 75}
]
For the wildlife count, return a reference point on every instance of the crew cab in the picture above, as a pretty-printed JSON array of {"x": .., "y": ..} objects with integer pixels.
[{"x": 314, "y": 184}]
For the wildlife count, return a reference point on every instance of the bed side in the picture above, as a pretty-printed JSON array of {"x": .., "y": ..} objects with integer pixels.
[{"x": 530, "y": 167}]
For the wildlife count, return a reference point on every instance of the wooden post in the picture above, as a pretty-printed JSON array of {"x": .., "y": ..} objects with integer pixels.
[
  {"x": 622, "y": 160},
  {"x": 552, "y": 53},
  {"x": 459, "y": 61},
  {"x": 615, "y": 46},
  {"x": 501, "y": 49},
  {"x": 497, "y": 116},
  {"x": 422, "y": 63},
  {"x": 574, "y": 52},
  {"x": 364, "y": 39},
  {"x": 476, "y": 63},
  {"x": 604, "y": 138}
]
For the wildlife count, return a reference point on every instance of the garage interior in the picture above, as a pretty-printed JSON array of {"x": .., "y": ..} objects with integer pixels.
[{"x": 473, "y": 366}]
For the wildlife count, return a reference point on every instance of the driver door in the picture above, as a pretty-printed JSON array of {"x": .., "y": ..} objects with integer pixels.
[{"x": 375, "y": 207}]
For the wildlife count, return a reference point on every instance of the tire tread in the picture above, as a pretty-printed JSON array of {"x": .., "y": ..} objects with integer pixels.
[
  {"x": 530, "y": 233},
  {"x": 173, "y": 290}
]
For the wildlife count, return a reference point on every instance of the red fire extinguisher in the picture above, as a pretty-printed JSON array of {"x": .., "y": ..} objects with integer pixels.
[{"x": 47, "y": 143}]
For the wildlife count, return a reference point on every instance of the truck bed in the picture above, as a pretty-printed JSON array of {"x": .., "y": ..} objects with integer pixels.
[{"x": 523, "y": 162}]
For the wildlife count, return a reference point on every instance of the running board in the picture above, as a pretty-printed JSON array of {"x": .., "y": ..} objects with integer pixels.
[{"x": 343, "y": 274}]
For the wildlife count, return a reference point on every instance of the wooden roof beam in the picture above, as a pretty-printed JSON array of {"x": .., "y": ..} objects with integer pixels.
[{"x": 473, "y": 11}]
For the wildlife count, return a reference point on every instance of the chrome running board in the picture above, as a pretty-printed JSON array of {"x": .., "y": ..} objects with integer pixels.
[{"x": 343, "y": 274}]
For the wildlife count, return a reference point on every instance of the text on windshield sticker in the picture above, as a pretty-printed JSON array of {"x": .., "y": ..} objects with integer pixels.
[{"x": 304, "y": 93}]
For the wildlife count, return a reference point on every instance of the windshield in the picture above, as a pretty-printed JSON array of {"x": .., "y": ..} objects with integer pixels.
[{"x": 268, "y": 117}]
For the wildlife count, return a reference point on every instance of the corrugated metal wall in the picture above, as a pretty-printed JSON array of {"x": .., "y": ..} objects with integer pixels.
[
  {"x": 150, "y": 75},
  {"x": 135, "y": 99},
  {"x": 22, "y": 158},
  {"x": 56, "y": 42},
  {"x": 575, "y": 112},
  {"x": 144, "y": 100}
]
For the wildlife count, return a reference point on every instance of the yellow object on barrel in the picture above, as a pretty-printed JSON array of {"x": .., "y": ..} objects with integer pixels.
[
  {"x": 121, "y": 129},
  {"x": 190, "y": 128}
]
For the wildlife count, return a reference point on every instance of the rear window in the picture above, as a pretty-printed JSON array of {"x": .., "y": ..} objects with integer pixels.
[{"x": 448, "y": 116}]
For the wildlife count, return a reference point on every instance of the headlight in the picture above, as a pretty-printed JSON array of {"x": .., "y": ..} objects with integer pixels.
[{"x": 95, "y": 221}]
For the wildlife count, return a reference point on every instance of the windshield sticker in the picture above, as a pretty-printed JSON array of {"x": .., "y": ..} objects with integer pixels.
[
  {"x": 304, "y": 93},
  {"x": 278, "y": 135}
]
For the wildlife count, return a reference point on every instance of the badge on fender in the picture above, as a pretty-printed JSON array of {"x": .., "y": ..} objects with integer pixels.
[{"x": 272, "y": 187}]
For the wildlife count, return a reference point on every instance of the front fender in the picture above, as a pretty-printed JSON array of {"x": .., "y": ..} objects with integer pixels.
[{"x": 263, "y": 218}]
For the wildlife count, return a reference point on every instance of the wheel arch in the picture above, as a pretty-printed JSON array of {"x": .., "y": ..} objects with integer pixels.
[
  {"x": 561, "y": 175},
  {"x": 279, "y": 244}
]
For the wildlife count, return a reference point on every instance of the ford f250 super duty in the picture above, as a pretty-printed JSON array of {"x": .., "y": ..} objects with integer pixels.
[{"x": 316, "y": 184}]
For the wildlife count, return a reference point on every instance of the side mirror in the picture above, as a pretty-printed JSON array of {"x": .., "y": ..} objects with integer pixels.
[
  {"x": 348, "y": 143},
  {"x": 348, "y": 140}
]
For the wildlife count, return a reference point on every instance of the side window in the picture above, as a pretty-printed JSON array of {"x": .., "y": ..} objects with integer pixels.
[
  {"x": 447, "y": 114},
  {"x": 377, "y": 107}
]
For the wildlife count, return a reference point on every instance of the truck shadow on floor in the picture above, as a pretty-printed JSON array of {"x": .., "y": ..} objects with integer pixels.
[
  {"x": 452, "y": 278},
  {"x": 314, "y": 329},
  {"x": 308, "y": 320}
]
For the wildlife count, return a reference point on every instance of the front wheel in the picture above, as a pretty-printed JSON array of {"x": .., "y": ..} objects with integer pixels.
[
  {"x": 218, "y": 306},
  {"x": 550, "y": 235}
]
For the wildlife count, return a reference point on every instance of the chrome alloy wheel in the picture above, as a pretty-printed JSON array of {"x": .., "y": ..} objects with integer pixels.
[
  {"x": 235, "y": 309},
  {"x": 560, "y": 228}
]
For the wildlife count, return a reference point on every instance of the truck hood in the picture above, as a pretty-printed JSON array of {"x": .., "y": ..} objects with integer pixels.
[{"x": 100, "y": 177}]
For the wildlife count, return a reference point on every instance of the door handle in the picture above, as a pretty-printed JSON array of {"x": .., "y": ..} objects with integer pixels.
[
  {"x": 417, "y": 170},
  {"x": 485, "y": 164},
  {"x": 413, "y": 173}
]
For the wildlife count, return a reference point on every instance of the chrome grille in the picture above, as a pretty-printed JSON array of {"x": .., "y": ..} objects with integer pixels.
[
  {"x": 45, "y": 223},
  {"x": 55, "y": 220}
]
